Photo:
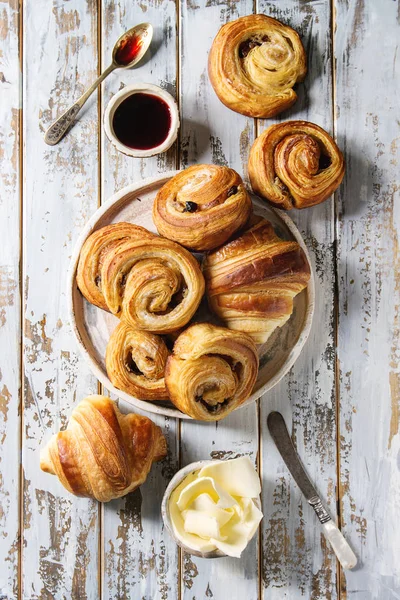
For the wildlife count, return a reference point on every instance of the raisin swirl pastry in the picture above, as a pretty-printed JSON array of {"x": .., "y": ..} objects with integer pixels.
[
  {"x": 102, "y": 453},
  {"x": 254, "y": 63},
  {"x": 93, "y": 251},
  {"x": 152, "y": 284},
  {"x": 251, "y": 281},
  {"x": 202, "y": 206},
  {"x": 295, "y": 164},
  {"x": 211, "y": 372},
  {"x": 135, "y": 362}
]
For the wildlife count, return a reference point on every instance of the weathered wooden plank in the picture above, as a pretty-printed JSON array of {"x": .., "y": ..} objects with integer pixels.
[
  {"x": 140, "y": 560},
  {"x": 212, "y": 133},
  {"x": 60, "y": 532},
  {"x": 368, "y": 120},
  {"x": 10, "y": 304},
  {"x": 296, "y": 560}
]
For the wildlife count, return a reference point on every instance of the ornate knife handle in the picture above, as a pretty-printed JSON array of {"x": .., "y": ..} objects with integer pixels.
[
  {"x": 320, "y": 510},
  {"x": 59, "y": 128}
]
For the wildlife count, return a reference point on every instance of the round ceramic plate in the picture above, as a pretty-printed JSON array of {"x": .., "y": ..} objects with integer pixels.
[{"x": 93, "y": 326}]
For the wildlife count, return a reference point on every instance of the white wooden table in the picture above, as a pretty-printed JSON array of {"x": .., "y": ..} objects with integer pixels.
[{"x": 341, "y": 399}]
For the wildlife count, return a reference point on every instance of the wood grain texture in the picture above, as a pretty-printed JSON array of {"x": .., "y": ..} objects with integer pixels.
[
  {"x": 368, "y": 128},
  {"x": 297, "y": 562},
  {"x": 212, "y": 133},
  {"x": 10, "y": 304},
  {"x": 60, "y": 532},
  {"x": 140, "y": 559}
]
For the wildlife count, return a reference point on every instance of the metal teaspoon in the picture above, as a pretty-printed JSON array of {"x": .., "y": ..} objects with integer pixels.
[
  {"x": 131, "y": 46},
  {"x": 282, "y": 439}
]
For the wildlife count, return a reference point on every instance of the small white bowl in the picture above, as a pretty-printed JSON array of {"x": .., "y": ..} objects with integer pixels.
[
  {"x": 154, "y": 90},
  {"x": 175, "y": 481}
]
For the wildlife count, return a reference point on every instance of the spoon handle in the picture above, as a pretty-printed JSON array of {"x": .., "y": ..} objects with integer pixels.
[{"x": 59, "y": 128}]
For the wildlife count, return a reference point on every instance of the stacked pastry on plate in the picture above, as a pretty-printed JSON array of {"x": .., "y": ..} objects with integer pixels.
[{"x": 155, "y": 285}]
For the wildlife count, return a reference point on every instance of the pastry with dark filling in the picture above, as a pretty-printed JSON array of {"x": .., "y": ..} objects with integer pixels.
[
  {"x": 254, "y": 63},
  {"x": 295, "y": 164},
  {"x": 202, "y": 206},
  {"x": 135, "y": 362},
  {"x": 211, "y": 372}
]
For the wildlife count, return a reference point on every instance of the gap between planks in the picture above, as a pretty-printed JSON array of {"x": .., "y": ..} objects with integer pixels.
[
  {"x": 340, "y": 578},
  {"x": 21, "y": 291}
]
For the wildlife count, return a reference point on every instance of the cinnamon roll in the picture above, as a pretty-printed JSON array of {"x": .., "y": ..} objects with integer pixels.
[
  {"x": 202, "y": 206},
  {"x": 92, "y": 255},
  {"x": 251, "y": 281},
  {"x": 211, "y": 372},
  {"x": 135, "y": 362},
  {"x": 295, "y": 164},
  {"x": 152, "y": 284},
  {"x": 254, "y": 63}
]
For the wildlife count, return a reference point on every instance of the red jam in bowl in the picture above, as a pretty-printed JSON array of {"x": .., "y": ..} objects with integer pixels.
[{"x": 142, "y": 121}]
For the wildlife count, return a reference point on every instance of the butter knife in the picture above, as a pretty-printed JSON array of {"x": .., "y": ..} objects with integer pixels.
[{"x": 282, "y": 439}]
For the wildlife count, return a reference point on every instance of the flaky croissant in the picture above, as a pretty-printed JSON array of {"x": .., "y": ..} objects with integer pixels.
[
  {"x": 152, "y": 284},
  {"x": 295, "y": 164},
  {"x": 135, "y": 362},
  {"x": 102, "y": 453},
  {"x": 211, "y": 372},
  {"x": 202, "y": 206},
  {"x": 93, "y": 251},
  {"x": 254, "y": 63},
  {"x": 251, "y": 281}
]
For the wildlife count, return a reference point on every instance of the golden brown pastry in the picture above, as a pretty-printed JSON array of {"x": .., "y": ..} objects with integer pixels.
[
  {"x": 254, "y": 63},
  {"x": 102, "y": 453},
  {"x": 251, "y": 281},
  {"x": 91, "y": 258},
  {"x": 135, "y": 362},
  {"x": 211, "y": 372},
  {"x": 202, "y": 207},
  {"x": 152, "y": 284},
  {"x": 295, "y": 164}
]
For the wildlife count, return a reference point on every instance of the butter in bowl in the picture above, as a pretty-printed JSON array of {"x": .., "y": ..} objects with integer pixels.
[{"x": 212, "y": 508}]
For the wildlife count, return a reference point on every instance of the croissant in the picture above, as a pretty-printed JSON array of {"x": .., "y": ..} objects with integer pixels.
[
  {"x": 135, "y": 362},
  {"x": 254, "y": 63},
  {"x": 211, "y": 372},
  {"x": 102, "y": 453},
  {"x": 92, "y": 255},
  {"x": 251, "y": 281},
  {"x": 202, "y": 206},
  {"x": 152, "y": 284},
  {"x": 295, "y": 164}
]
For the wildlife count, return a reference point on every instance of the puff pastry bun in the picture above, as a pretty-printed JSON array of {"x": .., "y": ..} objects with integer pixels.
[
  {"x": 135, "y": 362},
  {"x": 102, "y": 453},
  {"x": 254, "y": 63},
  {"x": 251, "y": 281},
  {"x": 211, "y": 372},
  {"x": 295, "y": 164},
  {"x": 202, "y": 206},
  {"x": 93, "y": 251},
  {"x": 151, "y": 283},
  {"x": 154, "y": 286}
]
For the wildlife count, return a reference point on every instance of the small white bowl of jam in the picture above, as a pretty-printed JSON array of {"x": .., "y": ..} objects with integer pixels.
[{"x": 142, "y": 120}]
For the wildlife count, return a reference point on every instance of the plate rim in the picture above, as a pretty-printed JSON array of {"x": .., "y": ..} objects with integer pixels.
[{"x": 97, "y": 371}]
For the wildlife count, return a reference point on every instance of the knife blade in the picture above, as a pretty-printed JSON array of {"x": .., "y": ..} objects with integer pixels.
[{"x": 283, "y": 441}]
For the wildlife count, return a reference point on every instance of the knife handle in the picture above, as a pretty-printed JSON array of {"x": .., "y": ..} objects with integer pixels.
[{"x": 344, "y": 553}]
